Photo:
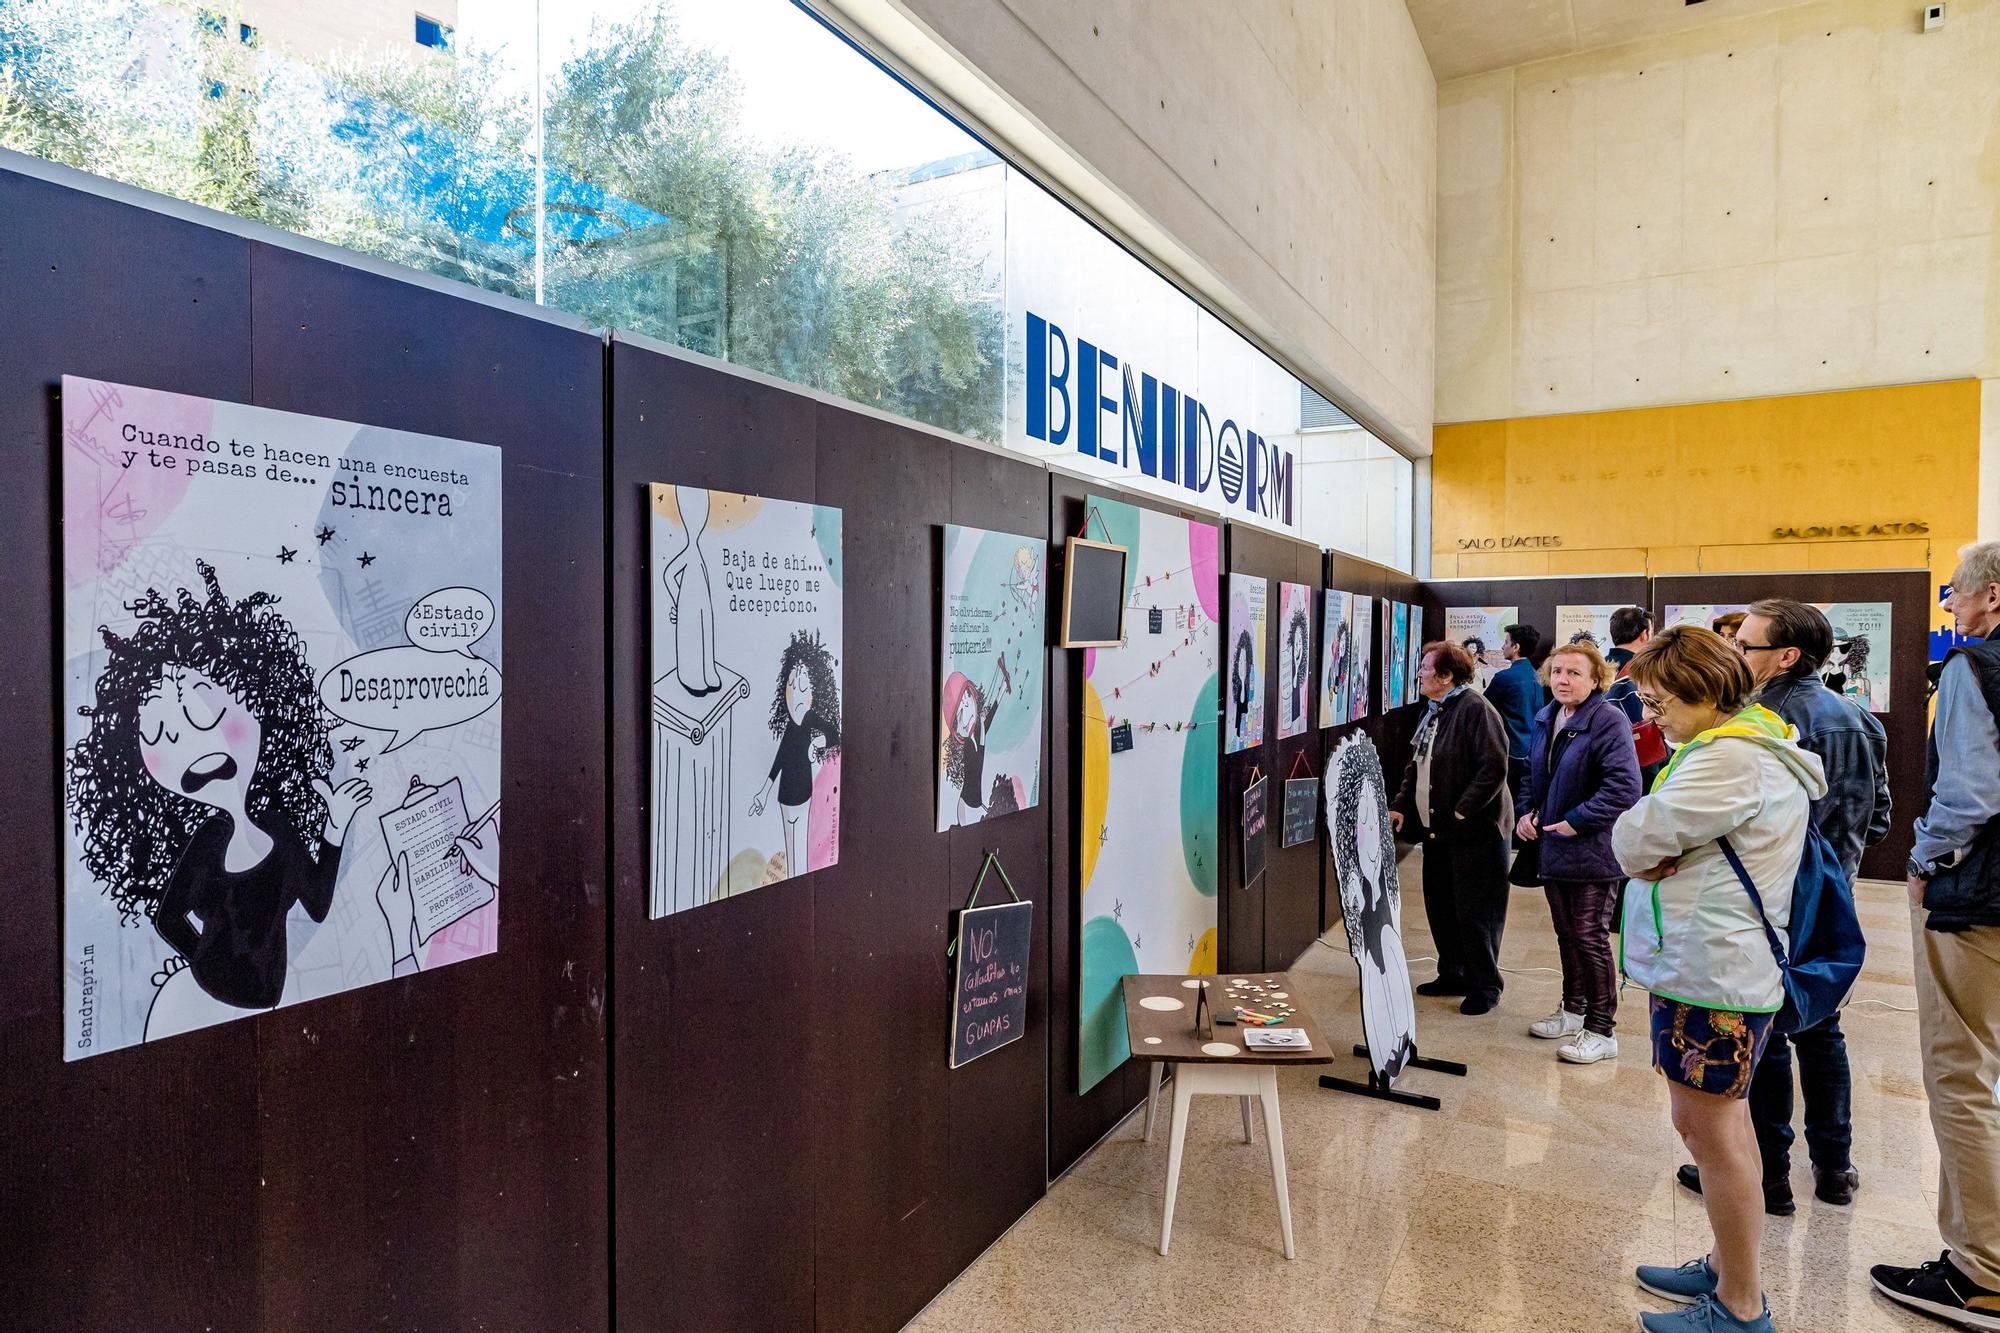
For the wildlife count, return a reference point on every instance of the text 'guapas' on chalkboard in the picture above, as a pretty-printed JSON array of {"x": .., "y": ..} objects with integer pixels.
[
  {"x": 1256, "y": 820},
  {"x": 989, "y": 977}
]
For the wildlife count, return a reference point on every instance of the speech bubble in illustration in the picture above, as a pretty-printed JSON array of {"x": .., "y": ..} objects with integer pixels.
[
  {"x": 449, "y": 620},
  {"x": 435, "y": 681}
]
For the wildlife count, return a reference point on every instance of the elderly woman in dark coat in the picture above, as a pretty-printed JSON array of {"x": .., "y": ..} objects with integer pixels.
[
  {"x": 1454, "y": 799},
  {"x": 1582, "y": 775}
]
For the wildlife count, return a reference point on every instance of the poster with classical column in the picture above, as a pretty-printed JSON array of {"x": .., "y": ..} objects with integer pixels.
[
  {"x": 281, "y": 709},
  {"x": 1148, "y": 716},
  {"x": 995, "y": 623},
  {"x": 745, "y": 698},
  {"x": 1336, "y": 659},
  {"x": 1243, "y": 725},
  {"x": 1295, "y": 658}
]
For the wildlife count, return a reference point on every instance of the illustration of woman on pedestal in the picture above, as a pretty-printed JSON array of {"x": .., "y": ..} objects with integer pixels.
[
  {"x": 203, "y": 798},
  {"x": 1371, "y": 903},
  {"x": 693, "y": 604},
  {"x": 1298, "y": 643},
  {"x": 807, "y": 703}
]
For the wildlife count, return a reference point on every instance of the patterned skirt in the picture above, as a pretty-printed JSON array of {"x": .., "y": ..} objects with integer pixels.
[{"x": 1710, "y": 1050}]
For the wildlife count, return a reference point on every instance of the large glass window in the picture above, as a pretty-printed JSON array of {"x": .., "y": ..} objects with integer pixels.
[{"x": 726, "y": 175}]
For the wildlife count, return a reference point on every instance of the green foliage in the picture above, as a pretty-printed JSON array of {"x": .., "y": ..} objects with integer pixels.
[{"x": 787, "y": 260}]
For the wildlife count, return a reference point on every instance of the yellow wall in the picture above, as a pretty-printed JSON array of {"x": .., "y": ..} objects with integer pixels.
[{"x": 1701, "y": 487}]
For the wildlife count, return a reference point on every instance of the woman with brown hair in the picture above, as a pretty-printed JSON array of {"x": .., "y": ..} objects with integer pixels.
[
  {"x": 1737, "y": 792},
  {"x": 1453, "y": 799},
  {"x": 1582, "y": 775}
]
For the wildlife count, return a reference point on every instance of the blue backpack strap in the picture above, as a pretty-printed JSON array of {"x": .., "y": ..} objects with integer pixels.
[{"x": 1757, "y": 901}]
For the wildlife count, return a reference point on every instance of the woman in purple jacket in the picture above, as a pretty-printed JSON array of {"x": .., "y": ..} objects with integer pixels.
[{"x": 1582, "y": 775}]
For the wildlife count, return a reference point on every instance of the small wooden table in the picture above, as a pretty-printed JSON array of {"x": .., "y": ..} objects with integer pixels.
[{"x": 1163, "y": 1034}]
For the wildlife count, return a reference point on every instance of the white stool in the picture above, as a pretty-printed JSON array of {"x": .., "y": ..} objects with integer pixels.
[{"x": 1245, "y": 1082}]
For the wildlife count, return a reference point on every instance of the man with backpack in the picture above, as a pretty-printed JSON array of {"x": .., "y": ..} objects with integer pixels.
[
  {"x": 1783, "y": 642},
  {"x": 1631, "y": 627},
  {"x": 1954, "y": 881}
]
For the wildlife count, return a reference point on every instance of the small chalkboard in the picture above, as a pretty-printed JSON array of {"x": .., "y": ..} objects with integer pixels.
[
  {"x": 1121, "y": 738},
  {"x": 1093, "y": 610},
  {"x": 1156, "y": 620},
  {"x": 1256, "y": 820},
  {"x": 989, "y": 988},
  {"x": 1301, "y": 811}
]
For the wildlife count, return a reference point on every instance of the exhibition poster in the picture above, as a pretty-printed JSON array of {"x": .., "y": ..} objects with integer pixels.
[
  {"x": 1858, "y": 667},
  {"x": 1363, "y": 609},
  {"x": 1336, "y": 659},
  {"x": 1413, "y": 645},
  {"x": 1295, "y": 659},
  {"x": 1395, "y": 655},
  {"x": 1481, "y": 631},
  {"x": 993, "y": 610},
  {"x": 1245, "y": 720},
  {"x": 1589, "y": 623},
  {"x": 746, "y": 675},
  {"x": 1147, "y": 841},
  {"x": 281, "y": 720},
  {"x": 1704, "y": 614},
  {"x": 1371, "y": 902}
]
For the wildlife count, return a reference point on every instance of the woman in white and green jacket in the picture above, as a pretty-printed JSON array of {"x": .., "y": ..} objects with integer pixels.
[{"x": 1693, "y": 938}]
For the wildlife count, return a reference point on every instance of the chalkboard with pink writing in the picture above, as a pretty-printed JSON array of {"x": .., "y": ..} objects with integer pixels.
[{"x": 990, "y": 980}]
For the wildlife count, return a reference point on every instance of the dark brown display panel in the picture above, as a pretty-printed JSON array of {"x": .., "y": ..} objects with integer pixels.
[
  {"x": 422, "y": 1153},
  {"x": 1911, "y": 596},
  {"x": 1268, "y": 923},
  {"x": 834, "y": 1172}
]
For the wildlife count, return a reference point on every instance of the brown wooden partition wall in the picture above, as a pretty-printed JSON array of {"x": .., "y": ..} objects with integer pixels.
[
  {"x": 832, "y": 1172},
  {"x": 424, "y": 1153}
]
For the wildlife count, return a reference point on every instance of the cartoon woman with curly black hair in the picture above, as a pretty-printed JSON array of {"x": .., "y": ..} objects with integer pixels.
[
  {"x": 1242, "y": 668},
  {"x": 201, "y": 792},
  {"x": 1298, "y": 646},
  {"x": 807, "y": 701}
]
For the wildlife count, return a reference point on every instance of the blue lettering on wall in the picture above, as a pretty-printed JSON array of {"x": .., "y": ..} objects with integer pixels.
[{"x": 1154, "y": 429}]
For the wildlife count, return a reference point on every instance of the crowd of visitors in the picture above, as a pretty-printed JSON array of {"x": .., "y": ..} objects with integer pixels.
[{"x": 1701, "y": 791}]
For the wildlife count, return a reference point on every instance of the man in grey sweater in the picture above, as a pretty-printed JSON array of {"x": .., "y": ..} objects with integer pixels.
[{"x": 1954, "y": 879}]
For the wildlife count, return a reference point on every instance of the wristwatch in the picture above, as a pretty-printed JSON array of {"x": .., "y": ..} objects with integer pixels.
[{"x": 1923, "y": 871}]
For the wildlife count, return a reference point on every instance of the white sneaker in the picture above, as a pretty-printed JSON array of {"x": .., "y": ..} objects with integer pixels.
[
  {"x": 1587, "y": 1048},
  {"x": 1562, "y": 1023}
]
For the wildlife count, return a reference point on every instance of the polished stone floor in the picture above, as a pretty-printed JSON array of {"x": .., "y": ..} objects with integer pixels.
[{"x": 1522, "y": 1205}]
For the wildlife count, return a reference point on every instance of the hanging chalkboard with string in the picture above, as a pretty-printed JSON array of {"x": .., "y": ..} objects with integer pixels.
[{"x": 989, "y": 984}]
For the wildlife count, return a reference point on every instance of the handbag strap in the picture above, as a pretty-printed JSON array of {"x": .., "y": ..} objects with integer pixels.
[{"x": 1757, "y": 901}]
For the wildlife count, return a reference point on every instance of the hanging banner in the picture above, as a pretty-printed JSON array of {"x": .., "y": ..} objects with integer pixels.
[
  {"x": 746, "y": 654},
  {"x": 281, "y": 640},
  {"x": 1256, "y": 827},
  {"x": 1147, "y": 839}
]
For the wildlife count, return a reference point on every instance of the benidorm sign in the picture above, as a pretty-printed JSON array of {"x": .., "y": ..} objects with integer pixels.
[{"x": 1115, "y": 412}]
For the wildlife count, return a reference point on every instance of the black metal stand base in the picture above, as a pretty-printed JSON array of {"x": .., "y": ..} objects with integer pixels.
[{"x": 1381, "y": 1088}]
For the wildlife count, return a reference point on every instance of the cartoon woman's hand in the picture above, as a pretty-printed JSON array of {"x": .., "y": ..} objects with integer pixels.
[
  {"x": 757, "y": 801},
  {"x": 342, "y": 803},
  {"x": 479, "y": 853},
  {"x": 399, "y": 909}
]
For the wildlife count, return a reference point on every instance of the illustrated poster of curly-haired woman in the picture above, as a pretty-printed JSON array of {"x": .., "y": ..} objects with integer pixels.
[
  {"x": 203, "y": 796},
  {"x": 1371, "y": 905},
  {"x": 806, "y": 704}
]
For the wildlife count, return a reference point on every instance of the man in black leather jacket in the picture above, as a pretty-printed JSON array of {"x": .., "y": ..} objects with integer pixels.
[{"x": 1784, "y": 642}]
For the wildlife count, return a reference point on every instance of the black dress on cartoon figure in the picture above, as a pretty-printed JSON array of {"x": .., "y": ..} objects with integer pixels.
[
  {"x": 1239, "y": 683},
  {"x": 792, "y": 767},
  {"x": 238, "y": 953}
]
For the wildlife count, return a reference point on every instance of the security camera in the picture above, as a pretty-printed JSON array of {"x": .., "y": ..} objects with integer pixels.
[{"x": 1933, "y": 17}]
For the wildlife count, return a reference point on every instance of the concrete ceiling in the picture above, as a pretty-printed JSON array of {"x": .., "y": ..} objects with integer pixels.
[{"x": 1470, "y": 36}]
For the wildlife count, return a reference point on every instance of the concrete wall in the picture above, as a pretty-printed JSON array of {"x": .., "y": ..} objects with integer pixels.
[
  {"x": 1281, "y": 157},
  {"x": 1794, "y": 202}
]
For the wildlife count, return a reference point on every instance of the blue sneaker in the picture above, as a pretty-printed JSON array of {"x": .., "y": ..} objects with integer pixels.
[
  {"x": 1692, "y": 1281},
  {"x": 1706, "y": 1315}
]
